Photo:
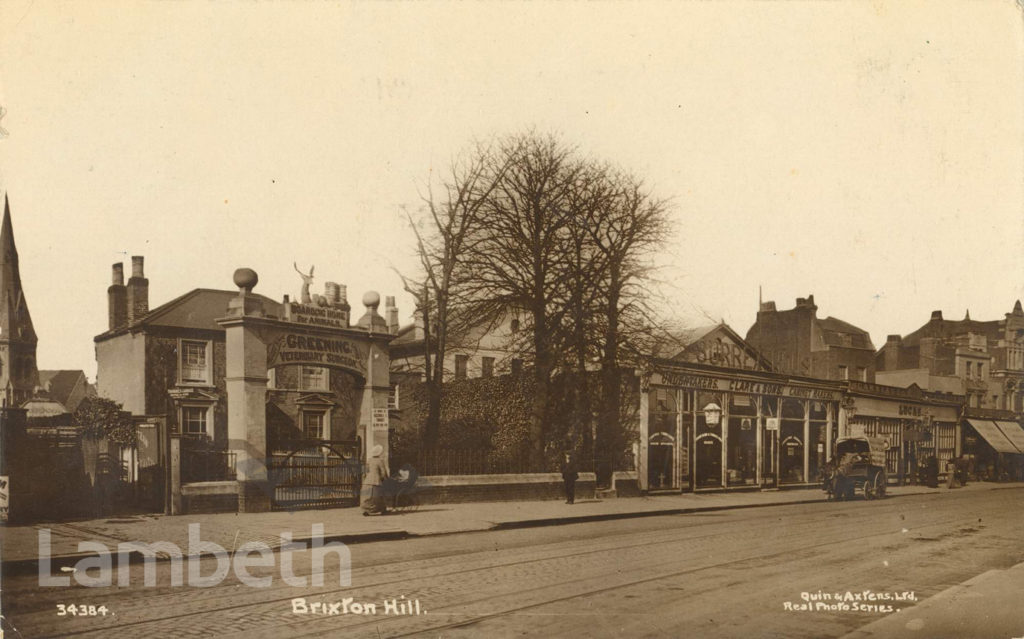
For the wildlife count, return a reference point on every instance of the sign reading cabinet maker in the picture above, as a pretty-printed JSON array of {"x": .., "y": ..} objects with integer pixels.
[{"x": 292, "y": 348}]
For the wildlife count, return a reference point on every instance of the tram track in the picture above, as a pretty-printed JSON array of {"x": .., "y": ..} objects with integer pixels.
[{"x": 827, "y": 525}]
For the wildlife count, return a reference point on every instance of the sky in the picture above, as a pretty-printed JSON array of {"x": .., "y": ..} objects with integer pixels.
[{"x": 868, "y": 153}]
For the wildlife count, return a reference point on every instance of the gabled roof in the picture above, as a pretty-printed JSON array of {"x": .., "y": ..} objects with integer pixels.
[
  {"x": 65, "y": 386},
  {"x": 948, "y": 329},
  {"x": 832, "y": 327},
  {"x": 687, "y": 343},
  {"x": 197, "y": 309}
]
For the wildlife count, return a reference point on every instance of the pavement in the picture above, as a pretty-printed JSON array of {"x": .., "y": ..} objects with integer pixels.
[
  {"x": 988, "y": 605},
  {"x": 20, "y": 551}
]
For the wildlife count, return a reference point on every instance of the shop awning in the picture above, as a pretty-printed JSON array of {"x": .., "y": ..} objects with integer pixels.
[
  {"x": 1014, "y": 433},
  {"x": 995, "y": 437}
]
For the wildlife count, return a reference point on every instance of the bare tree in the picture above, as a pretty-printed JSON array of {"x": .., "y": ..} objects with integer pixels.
[
  {"x": 626, "y": 232},
  {"x": 518, "y": 260},
  {"x": 452, "y": 221}
]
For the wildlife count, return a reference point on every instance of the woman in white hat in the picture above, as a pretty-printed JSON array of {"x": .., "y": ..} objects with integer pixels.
[{"x": 377, "y": 474}]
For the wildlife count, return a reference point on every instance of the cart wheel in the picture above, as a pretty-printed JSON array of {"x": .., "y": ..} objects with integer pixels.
[
  {"x": 880, "y": 482},
  {"x": 869, "y": 489}
]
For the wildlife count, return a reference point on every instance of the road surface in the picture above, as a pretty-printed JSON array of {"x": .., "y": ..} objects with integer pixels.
[{"x": 736, "y": 573}]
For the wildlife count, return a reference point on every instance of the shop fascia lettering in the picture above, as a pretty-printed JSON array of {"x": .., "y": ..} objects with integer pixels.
[
  {"x": 293, "y": 348},
  {"x": 753, "y": 387}
]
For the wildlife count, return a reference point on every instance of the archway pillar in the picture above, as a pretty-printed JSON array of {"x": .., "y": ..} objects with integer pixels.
[{"x": 246, "y": 384}]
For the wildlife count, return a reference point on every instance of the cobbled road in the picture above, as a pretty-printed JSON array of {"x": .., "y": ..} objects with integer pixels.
[{"x": 737, "y": 573}]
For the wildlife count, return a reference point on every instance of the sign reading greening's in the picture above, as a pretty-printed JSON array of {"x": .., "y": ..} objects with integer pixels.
[{"x": 293, "y": 348}]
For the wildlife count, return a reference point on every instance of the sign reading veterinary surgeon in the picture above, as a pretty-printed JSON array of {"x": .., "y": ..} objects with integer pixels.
[{"x": 292, "y": 348}]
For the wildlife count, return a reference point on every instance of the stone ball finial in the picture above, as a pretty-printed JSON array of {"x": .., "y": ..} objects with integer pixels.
[
  {"x": 371, "y": 299},
  {"x": 246, "y": 279}
]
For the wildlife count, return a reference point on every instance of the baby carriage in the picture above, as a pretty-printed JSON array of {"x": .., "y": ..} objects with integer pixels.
[{"x": 402, "y": 490}]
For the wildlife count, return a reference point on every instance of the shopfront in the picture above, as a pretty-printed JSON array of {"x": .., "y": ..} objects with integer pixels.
[
  {"x": 713, "y": 428},
  {"x": 917, "y": 425},
  {"x": 993, "y": 445}
]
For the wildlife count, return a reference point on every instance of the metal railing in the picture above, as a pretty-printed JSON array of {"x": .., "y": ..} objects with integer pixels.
[{"x": 207, "y": 464}]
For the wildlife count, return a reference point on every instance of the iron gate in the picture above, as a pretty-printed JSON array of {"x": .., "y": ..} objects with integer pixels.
[{"x": 316, "y": 474}]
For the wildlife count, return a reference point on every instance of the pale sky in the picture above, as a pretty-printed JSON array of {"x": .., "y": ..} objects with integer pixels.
[{"x": 869, "y": 153}]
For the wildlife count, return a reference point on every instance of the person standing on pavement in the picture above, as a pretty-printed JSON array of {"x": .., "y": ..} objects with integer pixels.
[
  {"x": 377, "y": 474},
  {"x": 569, "y": 475}
]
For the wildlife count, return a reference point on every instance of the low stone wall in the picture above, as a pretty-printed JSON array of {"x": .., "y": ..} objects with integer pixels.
[
  {"x": 448, "y": 489},
  {"x": 209, "y": 497},
  {"x": 626, "y": 483}
]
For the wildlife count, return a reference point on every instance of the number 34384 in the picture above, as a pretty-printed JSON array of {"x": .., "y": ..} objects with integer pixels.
[{"x": 81, "y": 610}]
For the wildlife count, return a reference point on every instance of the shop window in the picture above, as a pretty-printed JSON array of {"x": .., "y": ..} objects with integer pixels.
[
  {"x": 313, "y": 378},
  {"x": 194, "y": 362},
  {"x": 742, "y": 405},
  {"x": 687, "y": 404},
  {"x": 393, "y": 397},
  {"x": 313, "y": 424},
  {"x": 193, "y": 421},
  {"x": 488, "y": 367},
  {"x": 461, "y": 364}
]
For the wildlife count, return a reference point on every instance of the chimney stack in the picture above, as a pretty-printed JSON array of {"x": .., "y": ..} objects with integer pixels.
[
  {"x": 117, "y": 299},
  {"x": 138, "y": 291},
  {"x": 936, "y": 316},
  {"x": 332, "y": 291},
  {"x": 419, "y": 325},
  {"x": 391, "y": 314}
]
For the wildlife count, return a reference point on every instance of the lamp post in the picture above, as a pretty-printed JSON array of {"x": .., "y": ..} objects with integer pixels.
[{"x": 713, "y": 414}]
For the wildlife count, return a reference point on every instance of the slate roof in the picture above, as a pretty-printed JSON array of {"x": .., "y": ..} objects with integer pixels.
[
  {"x": 197, "y": 309},
  {"x": 66, "y": 387}
]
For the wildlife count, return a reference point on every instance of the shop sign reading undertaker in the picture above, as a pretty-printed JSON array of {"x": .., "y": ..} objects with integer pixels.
[{"x": 292, "y": 348}]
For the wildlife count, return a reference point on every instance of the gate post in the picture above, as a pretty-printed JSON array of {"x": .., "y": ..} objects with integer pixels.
[
  {"x": 246, "y": 382},
  {"x": 174, "y": 461},
  {"x": 373, "y": 410}
]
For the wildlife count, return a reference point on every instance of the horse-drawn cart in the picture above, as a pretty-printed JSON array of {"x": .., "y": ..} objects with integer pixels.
[{"x": 858, "y": 464}]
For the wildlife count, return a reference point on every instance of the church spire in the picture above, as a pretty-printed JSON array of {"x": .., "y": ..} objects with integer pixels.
[{"x": 18, "y": 372}]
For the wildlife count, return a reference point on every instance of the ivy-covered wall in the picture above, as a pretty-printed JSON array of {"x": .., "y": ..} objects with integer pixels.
[{"x": 494, "y": 414}]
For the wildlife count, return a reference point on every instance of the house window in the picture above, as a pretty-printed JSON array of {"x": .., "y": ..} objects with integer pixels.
[
  {"x": 862, "y": 373},
  {"x": 313, "y": 424},
  {"x": 515, "y": 326},
  {"x": 272, "y": 378},
  {"x": 461, "y": 362},
  {"x": 313, "y": 378},
  {"x": 193, "y": 421},
  {"x": 393, "y": 397},
  {"x": 844, "y": 372},
  {"x": 488, "y": 367},
  {"x": 194, "y": 363},
  {"x": 517, "y": 367}
]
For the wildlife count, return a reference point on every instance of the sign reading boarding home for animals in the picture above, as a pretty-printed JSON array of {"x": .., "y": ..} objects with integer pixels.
[{"x": 771, "y": 423}]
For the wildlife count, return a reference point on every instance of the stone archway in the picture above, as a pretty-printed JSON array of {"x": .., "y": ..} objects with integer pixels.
[{"x": 256, "y": 343}]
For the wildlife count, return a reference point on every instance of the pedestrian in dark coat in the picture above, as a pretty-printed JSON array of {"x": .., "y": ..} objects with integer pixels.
[{"x": 569, "y": 475}]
